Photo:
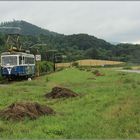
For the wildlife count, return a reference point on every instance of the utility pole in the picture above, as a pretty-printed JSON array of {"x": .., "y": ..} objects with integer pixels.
[
  {"x": 54, "y": 62},
  {"x": 52, "y": 55},
  {"x": 37, "y": 59}
]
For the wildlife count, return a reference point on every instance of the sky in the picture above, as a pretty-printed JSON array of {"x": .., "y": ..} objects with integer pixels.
[{"x": 113, "y": 21}]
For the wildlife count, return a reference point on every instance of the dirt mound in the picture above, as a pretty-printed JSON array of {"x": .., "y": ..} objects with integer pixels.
[
  {"x": 59, "y": 92},
  {"x": 97, "y": 73},
  {"x": 19, "y": 111}
]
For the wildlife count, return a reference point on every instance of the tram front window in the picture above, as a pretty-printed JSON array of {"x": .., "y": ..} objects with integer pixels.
[{"x": 9, "y": 60}]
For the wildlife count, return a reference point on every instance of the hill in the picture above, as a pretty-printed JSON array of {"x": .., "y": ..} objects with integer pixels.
[
  {"x": 75, "y": 47},
  {"x": 27, "y": 28}
]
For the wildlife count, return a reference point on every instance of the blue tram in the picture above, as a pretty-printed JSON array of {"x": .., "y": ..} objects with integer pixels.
[{"x": 17, "y": 64}]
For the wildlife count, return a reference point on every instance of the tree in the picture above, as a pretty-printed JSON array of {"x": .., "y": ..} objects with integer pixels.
[{"x": 92, "y": 53}]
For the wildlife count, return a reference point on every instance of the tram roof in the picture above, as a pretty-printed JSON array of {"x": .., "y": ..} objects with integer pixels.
[{"x": 16, "y": 53}]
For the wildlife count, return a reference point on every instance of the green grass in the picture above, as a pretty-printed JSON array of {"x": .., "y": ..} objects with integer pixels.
[{"x": 108, "y": 108}]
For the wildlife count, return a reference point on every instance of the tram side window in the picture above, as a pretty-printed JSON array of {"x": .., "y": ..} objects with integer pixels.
[
  {"x": 29, "y": 60},
  {"x": 26, "y": 60},
  {"x": 32, "y": 60}
]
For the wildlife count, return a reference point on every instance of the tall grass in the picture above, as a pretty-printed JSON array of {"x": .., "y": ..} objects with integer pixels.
[{"x": 108, "y": 107}]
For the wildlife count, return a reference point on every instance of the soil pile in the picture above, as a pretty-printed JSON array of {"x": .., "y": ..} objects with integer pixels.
[
  {"x": 59, "y": 92},
  {"x": 97, "y": 73},
  {"x": 19, "y": 111}
]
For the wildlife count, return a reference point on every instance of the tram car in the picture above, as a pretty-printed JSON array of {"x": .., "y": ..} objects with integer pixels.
[{"x": 16, "y": 65}]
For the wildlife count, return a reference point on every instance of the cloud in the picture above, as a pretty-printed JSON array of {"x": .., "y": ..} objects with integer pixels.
[{"x": 116, "y": 21}]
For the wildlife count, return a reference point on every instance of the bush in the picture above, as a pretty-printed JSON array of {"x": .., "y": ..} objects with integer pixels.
[
  {"x": 75, "y": 64},
  {"x": 45, "y": 66},
  {"x": 59, "y": 69},
  {"x": 1, "y": 78},
  {"x": 81, "y": 68}
]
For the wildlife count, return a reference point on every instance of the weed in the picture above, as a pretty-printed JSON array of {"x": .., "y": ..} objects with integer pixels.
[{"x": 127, "y": 68}]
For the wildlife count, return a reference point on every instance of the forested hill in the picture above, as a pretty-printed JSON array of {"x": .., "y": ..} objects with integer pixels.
[
  {"x": 27, "y": 28},
  {"x": 76, "y": 46},
  {"x": 81, "y": 41}
]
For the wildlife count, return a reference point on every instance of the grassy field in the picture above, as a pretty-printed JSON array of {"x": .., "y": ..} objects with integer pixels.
[
  {"x": 108, "y": 108},
  {"x": 90, "y": 62}
]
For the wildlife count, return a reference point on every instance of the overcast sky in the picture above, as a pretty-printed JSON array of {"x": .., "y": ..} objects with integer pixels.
[{"x": 113, "y": 21}]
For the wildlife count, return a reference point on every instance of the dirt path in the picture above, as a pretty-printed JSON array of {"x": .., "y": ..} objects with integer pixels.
[{"x": 132, "y": 71}]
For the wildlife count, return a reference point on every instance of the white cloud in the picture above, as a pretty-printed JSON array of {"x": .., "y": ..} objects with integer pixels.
[{"x": 114, "y": 21}]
